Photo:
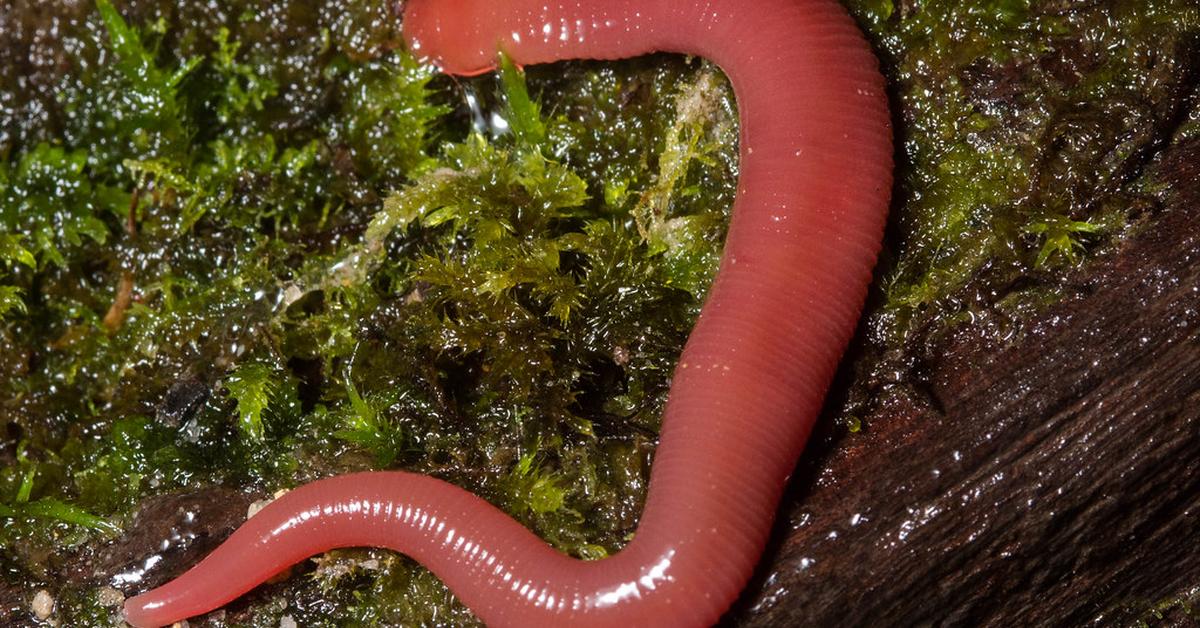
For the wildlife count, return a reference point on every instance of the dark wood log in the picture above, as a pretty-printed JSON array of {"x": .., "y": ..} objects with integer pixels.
[
  {"x": 1049, "y": 477},
  {"x": 170, "y": 533}
]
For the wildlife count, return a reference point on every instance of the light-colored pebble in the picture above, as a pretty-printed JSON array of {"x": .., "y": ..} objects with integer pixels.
[
  {"x": 257, "y": 506},
  {"x": 109, "y": 597},
  {"x": 287, "y": 622},
  {"x": 43, "y": 604}
]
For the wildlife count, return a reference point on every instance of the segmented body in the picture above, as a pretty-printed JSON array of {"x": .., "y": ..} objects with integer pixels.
[{"x": 813, "y": 193}]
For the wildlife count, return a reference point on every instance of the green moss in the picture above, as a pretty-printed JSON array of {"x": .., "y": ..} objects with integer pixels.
[
  {"x": 152, "y": 110},
  {"x": 366, "y": 425},
  {"x": 49, "y": 205},
  {"x": 252, "y": 386},
  {"x": 1013, "y": 131},
  {"x": 371, "y": 288},
  {"x": 1179, "y": 608},
  {"x": 10, "y": 300},
  {"x": 85, "y": 607},
  {"x": 531, "y": 489},
  {"x": 54, "y": 510},
  {"x": 274, "y": 204}
]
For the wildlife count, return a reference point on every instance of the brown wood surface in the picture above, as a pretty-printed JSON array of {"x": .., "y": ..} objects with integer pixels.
[{"x": 1049, "y": 475}]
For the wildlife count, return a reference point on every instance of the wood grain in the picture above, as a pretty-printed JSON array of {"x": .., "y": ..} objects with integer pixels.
[{"x": 1051, "y": 477}]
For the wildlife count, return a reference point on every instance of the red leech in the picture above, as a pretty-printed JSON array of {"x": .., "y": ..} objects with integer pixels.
[{"x": 816, "y": 176}]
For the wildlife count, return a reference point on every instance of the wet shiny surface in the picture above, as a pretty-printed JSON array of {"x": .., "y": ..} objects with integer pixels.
[
  {"x": 1079, "y": 50},
  {"x": 1045, "y": 466},
  {"x": 752, "y": 376}
]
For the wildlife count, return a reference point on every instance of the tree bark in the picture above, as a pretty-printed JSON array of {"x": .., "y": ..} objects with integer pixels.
[{"x": 1047, "y": 477}]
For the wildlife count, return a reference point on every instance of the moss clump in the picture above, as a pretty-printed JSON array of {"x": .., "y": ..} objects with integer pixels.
[
  {"x": 224, "y": 267},
  {"x": 1022, "y": 122}
]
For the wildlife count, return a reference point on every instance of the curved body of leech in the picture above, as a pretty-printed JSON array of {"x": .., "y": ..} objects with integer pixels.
[{"x": 815, "y": 183}]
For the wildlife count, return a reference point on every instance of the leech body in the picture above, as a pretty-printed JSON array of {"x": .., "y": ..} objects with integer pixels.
[{"x": 816, "y": 175}]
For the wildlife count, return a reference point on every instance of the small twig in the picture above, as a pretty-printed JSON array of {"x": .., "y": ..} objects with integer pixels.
[
  {"x": 121, "y": 303},
  {"x": 124, "y": 297}
]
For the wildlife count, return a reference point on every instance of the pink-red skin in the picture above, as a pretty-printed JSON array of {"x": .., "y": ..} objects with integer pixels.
[{"x": 816, "y": 177}]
